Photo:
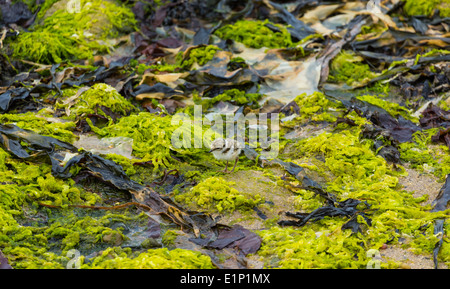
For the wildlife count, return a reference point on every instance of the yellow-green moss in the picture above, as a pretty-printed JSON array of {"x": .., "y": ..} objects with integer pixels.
[
  {"x": 32, "y": 236},
  {"x": 431, "y": 52},
  {"x": 307, "y": 201},
  {"x": 371, "y": 30},
  {"x": 24, "y": 185}
]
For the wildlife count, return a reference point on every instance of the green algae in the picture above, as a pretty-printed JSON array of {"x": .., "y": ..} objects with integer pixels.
[
  {"x": 33, "y": 236},
  {"x": 256, "y": 34},
  {"x": 317, "y": 107},
  {"x": 351, "y": 169},
  {"x": 151, "y": 136},
  {"x": 42, "y": 123},
  {"x": 156, "y": 68},
  {"x": 23, "y": 237},
  {"x": 184, "y": 61},
  {"x": 444, "y": 104},
  {"x": 378, "y": 89},
  {"x": 348, "y": 160},
  {"x": 348, "y": 68},
  {"x": 425, "y": 157},
  {"x": 237, "y": 62},
  {"x": 444, "y": 253},
  {"x": 371, "y": 30},
  {"x": 216, "y": 194},
  {"x": 33, "y": 46},
  {"x": 392, "y": 108},
  {"x": 319, "y": 245},
  {"x": 199, "y": 55},
  {"x": 91, "y": 101},
  {"x": 306, "y": 201},
  {"x": 162, "y": 258},
  {"x": 234, "y": 96},
  {"x": 326, "y": 248},
  {"x": 64, "y": 35},
  {"x": 169, "y": 237},
  {"x": 427, "y": 7},
  {"x": 431, "y": 52},
  {"x": 444, "y": 8},
  {"x": 88, "y": 233}
]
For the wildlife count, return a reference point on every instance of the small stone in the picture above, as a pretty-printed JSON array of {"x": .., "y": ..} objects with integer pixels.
[
  {"x": 404, "y": 266},
  {"x": 113, "y": 238},
  {"x": 150, "y": 243},
  {"x": 383, "y": 247},
  {"x": 98, "y": 60}
]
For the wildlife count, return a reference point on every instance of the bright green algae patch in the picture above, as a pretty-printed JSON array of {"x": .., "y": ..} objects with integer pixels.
[
  {"x": 64, "y": 35},
  {"x": 427, "y": 7},
  {"x": 424, "y": 156},
  {"x": 118, "y": 258},
  {"x": 23, "y": 238},
  {"x": 306, "y": 248},
  {"x": 351, "y": 169},
  {"x": 33, "y": 236},
  {"x": 151, "y": 136},
  {"x": 186, "y": 61},
  {"x": 392, "y": 108},
  {"x": 93, "y": 99},
  {"x": 234, "y": 96},
  {"x": 256, "y": 34},
  {"x": 42, "y": 123},
  {"x": 317, "y": 107},
  {"x": 348, "y": 68},
  {"x": 216, "y": 194},
  {"x": 200, "y": 55}
]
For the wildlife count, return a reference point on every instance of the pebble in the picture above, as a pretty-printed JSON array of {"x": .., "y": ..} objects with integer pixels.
[
  {"x": 404, "y": 266},
  {"x": 113, "y": 238},
  {"x": 383, "y": 247}
]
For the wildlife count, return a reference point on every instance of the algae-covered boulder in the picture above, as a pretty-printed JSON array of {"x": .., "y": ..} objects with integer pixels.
[{"x": 74, "y": 29}]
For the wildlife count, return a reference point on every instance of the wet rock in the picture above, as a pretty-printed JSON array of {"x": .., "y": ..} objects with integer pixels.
[
  {"x": 151, "y": 243},
  {"x": 113, "y": 238}
]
